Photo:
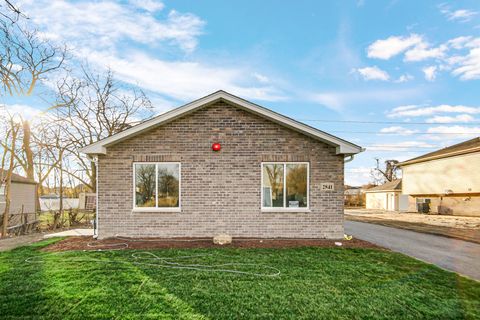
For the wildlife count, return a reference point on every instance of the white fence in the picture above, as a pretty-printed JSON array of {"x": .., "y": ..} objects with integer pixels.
[{"x": 54, "y": 204}]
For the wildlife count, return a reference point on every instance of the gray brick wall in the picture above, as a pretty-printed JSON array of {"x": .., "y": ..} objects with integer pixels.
[{"x": 220, "y": 191}]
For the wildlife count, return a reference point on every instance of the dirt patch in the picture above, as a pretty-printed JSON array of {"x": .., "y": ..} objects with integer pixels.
[
  {"x": 466, "y": 234},
  {"x": 87, "y": 243}
]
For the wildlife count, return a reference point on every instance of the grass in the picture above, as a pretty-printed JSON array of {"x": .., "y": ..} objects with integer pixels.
[
  {"x": 46, "y": 219},
  {"x": 315, "y": 283}
]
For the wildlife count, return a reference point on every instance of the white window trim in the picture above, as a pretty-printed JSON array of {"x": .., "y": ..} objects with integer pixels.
[
  {"x": 158, "y": 209},
  {"x": 284, "y": 208}
]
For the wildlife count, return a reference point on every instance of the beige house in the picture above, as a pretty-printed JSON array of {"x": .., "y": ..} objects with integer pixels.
[
  {"x": 23, "y": 197},
  {"x": 221, "y": 164},
  {"x": 388, "y": 197},
  {"x": 448, "y": 180}
]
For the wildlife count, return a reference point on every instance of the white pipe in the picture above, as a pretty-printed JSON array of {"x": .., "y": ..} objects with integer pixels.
[
  {"x": 350, "y": 158},
  {"x": 95, "y": 230}
]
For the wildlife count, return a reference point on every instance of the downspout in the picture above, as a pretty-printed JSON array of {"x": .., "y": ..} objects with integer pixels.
[
  {"x": 95, "y": 229},
  {"x": 350, "y": 158}
]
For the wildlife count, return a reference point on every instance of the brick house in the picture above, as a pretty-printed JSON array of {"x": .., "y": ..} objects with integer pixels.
[{"x": 272, "y": 177}]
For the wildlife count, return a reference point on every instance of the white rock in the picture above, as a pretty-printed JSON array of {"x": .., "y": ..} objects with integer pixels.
[{"x": 222, "y": 239}]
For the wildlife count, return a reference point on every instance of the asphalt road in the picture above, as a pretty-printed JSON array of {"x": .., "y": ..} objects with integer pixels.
[{"x": 459, "y": 256}]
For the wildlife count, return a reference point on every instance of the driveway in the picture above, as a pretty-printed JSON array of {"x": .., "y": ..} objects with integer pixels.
[{"x": 451, "y": 254}]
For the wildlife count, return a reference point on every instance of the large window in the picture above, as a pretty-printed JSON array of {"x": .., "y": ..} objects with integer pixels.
[
  {"x": 157, "y": 185},
  {"x": 285, "y": 185}
]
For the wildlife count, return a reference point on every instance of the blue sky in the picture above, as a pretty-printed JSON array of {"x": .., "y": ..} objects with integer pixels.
[{"x": 400, "y": 78}]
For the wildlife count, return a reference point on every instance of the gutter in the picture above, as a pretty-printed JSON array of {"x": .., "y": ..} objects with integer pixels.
[{"x": 440, "y": 156}]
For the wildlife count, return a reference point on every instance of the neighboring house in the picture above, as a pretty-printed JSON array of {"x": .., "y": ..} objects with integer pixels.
[
  {"x": 447, "y": 179},
  {"x": 388, "y": 197},
  {"x": 354, "y": 196},
  {"x": 353, "y": 191},
  {"x": 221, "y": 164},
  {"x": 22, "y": 197}
]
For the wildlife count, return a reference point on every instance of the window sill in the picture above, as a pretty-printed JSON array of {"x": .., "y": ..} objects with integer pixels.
[
  {"x": 286, "y": 210},
  {"x": 159, "y": 210}
]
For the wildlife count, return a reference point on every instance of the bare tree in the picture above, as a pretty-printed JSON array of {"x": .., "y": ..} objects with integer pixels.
[
  {"x": 91, "y": 108},
  {"x": 25, "y": 58},
  {"x": 381, "y": 175},
  {"x": 9, "y": 11},
  {"x": 6, "y": 175}
]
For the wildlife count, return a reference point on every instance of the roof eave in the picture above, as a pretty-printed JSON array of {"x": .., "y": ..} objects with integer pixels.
[
  {"x": 438, "y": 157},
  {"x": 342, "y": 146}
]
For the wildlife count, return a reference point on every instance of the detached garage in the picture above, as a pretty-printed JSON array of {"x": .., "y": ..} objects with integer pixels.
[{"x": 388, "y": 197}]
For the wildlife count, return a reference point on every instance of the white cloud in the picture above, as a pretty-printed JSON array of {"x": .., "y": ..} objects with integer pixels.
[
  {"x": 402, "y": 131},
  {"x": 261, "y": 78},
  {"x": 102, "y": 24},
  {"x": 453, "y": 132},
  {"x": 392, "y": 46},
  {"x": 459, "y": 42},
  {"x": 357, "y": 176},
  {"x": 430, "y": 73},
  {"x": 400, "y": 146},
  {"x": 182, "y": 80},
  {"x": 404, "y": 78},
  {"x": 103, "y": 33},
  {"x": 459, "y": 55},
  {"x": 418, "y": 111},
  {"x": 469, "y": 65},
  {"x": 25, "y": 111},
  {"x": 337, "y": 100},
  {"x": 462, "y": 15},
  {"x": 450, "y": 119},
  {"x": 148, "y": 5},
  {"x": 422, "y": 52},
  {"x": 331, "y": 100},
  {"x": 373, "y": 73}
]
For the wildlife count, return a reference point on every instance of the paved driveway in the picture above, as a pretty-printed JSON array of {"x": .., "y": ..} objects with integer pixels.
[{"x": 455, "y": 255}]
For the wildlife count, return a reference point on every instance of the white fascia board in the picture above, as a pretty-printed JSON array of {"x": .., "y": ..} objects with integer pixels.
[{"x": 342, "y": 146}]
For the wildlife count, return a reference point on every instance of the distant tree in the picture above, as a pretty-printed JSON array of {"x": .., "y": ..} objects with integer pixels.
[
  {"x": 8, "y": 165},
  {"x": 25, "y": 58},
  {"x": 91, "y": 107},
  {"x": 9, "y": 11},
  {"x": 388, "y": 173}
]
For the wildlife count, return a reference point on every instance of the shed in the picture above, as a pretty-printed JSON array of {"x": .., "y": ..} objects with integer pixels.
[
  {"x": 23, "y": 199},
  {"x": 387, "y": 196}
]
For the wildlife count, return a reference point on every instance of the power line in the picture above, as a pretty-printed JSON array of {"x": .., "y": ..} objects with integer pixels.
[
  {"x": 402, "y": 134},
  {"x": 400, "y": 147},
  {"x": 390, "y": 150},
  {"x": 390, "y": 122}
]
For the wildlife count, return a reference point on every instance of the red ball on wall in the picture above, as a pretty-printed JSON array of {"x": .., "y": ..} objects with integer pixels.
[{"x": 216, "y": 146}]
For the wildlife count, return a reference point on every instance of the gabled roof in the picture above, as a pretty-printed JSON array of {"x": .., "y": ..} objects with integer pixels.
[
  {"x": 395, "y": 185},
  {"x": 16, "y": 178},
  {"x": 343, "y": 146},
  {"x": 465, "y": 147}
]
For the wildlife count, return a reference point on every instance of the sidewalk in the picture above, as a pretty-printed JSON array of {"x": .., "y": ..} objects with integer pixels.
[
  {"x": 70, "y": 233},
  {"x": 463, "y": 228},
  {"x": 14, "y": 242}
]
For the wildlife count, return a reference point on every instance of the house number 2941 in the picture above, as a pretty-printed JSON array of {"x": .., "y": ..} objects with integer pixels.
[{"x": 327, "y": 186}]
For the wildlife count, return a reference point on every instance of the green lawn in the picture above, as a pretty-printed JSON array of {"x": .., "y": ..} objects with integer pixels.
[{"x": 315, "y": 283}]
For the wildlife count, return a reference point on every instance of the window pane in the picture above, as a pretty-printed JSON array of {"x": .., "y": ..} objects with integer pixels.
[
  {"x": 168, "y": 185},
  {"x": 297, "y": 185},
  {"x": 272, "y": 185},
  {"x": 145, "y": 185}
]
